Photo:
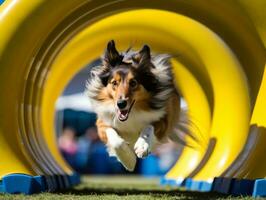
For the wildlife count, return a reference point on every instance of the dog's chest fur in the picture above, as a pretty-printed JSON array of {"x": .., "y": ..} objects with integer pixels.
[{"x": 137, "y": 121}]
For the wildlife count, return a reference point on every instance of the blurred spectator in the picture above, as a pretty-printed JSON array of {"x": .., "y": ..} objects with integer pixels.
[
  {"x": 161, "y": 160},
  {"x": 68, "y": 145},
  {"x": 168, "y": 154},
  {"x": 92, "y": 156}
]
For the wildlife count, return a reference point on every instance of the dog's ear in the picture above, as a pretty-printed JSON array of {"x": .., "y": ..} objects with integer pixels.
[
  {"x": 111, "y": 56},
  {"x": 143, "y": 56},
  {"x": 145, "y": 53}
]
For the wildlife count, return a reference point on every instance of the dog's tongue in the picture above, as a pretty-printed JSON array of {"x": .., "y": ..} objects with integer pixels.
[
  {"x": 123, "y": 115},
  {"x": 123, "y": 112}
]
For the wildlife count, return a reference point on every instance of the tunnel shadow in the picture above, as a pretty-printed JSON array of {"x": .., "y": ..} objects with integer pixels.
[{"x": 155, "y": 193}]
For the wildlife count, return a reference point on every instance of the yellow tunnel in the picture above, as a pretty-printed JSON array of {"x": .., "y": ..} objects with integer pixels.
[{"x": 219, "y": 72}]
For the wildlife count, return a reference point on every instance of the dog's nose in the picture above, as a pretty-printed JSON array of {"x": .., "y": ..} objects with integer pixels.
[{"x": 121, "y": 104}]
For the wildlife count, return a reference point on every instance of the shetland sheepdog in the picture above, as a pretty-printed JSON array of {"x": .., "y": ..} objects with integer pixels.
[{"x": 136, "y": 102}]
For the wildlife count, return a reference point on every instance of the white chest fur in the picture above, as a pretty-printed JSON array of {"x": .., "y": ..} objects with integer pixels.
[{"x": 136, "y": 122}]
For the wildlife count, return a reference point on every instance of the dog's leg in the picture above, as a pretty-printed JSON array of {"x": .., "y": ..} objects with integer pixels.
[
  {"x": 144, "y": 144},
  {"x": 120, "y": 149}
]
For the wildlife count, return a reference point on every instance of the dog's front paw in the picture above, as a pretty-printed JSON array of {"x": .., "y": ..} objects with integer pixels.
[
  {"x": 144, "y": 143},
  {"x": 142, "y": 148}
]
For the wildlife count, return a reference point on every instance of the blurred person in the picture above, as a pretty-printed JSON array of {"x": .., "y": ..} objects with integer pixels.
[
  {"x": 85, "y": 143},
  {"x": 168, "y": 154},
  {"x": 92, "y": 156},
  {"x": 68, "y": 144},
  {"x": 81, "y": 146},
  {"x": 161, "y": 160}
]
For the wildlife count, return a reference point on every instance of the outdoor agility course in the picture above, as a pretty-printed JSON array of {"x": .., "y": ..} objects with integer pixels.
[{"x": 219, "y": 70}]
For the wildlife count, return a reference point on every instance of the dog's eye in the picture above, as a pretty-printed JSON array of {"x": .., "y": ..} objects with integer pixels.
[
  {"x": 114, "y": 84},
  {"x": 133, "y": 83}
]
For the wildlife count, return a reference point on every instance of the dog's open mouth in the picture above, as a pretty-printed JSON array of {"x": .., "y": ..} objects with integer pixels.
[{"x": 123, "y": 114}]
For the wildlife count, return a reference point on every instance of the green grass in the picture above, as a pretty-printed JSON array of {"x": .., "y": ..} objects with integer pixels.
[{"x": 121, "y": 187}]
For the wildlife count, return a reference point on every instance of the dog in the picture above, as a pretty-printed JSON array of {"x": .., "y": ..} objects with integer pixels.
[{"x": 136, "y": 102}]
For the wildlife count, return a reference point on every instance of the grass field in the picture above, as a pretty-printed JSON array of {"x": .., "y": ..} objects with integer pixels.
[{"x": 121, "y": 187}]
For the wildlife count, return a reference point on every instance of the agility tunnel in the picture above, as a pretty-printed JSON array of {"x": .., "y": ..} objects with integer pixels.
[{"x": 219, "y": 67}]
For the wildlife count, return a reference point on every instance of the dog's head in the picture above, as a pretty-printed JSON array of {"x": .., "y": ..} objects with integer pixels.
[
  {"x": 130, "y": 81},
  {"x": 127, "y": 79}
]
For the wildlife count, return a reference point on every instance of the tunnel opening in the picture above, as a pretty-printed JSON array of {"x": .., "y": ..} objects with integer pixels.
[{"x": 79, "y": 142}]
